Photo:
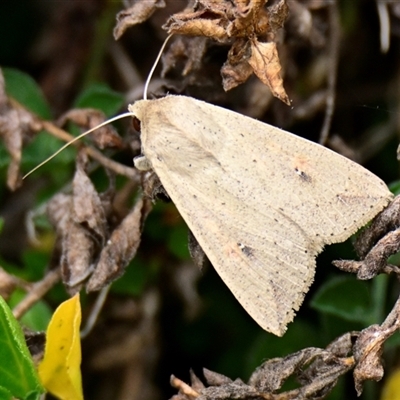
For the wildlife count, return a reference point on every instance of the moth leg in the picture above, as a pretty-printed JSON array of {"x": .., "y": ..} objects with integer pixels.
[{"x": 142, "y": 163}]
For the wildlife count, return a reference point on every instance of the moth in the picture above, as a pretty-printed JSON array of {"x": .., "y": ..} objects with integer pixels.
[{"x": 261, "y": 202}]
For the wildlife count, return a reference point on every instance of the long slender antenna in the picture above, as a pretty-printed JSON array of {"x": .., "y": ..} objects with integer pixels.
[
  {"x": 146, "y": 86},
  {"x": 124, "y": 115},
  {"x": 128, "y": 114}
]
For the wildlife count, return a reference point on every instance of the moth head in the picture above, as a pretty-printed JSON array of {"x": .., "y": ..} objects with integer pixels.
[{"x": 138, "y": 112}]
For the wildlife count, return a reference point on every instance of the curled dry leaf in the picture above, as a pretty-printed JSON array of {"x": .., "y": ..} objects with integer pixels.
[
  {"x": 75, "y": 242},
  {"x": 376, "y": 244},
  {"x": 15, "y": 124},
  {"x": 81, "y": 224},
  {"x": 251, "y": 29},
  {"x": 205, "y": 22},
  {"x": 369, "y": 347},
  {"x": 236, "y": 69},
  {"x": 77, "y": 254},
  {"x": 88, "y": 247},
  {"x": 387, "y": 220},
  {"x": 88, "y": 209},
  {"x": 120, "y": 248},
  {"x": 140, "y": 11},
  {"x": 88, "y": 118},
  {"x": 376, "y": 260},
  {"x": 190, "y": 52},
  {"x": 265, "y": 63},
  {"x": 367, "y": 353}
]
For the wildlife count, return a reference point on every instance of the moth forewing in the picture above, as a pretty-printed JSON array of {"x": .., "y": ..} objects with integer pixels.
[{"x": 260, "y": 201}]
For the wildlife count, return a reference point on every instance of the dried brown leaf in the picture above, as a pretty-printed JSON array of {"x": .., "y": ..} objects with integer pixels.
[
  {"x": 387, "y": 220},
  {"x": 14, "y": 125},
  {"x": 190, "y": 51},
  {"x": 214, "y": 378},
  {"x": 369, "y": 347},
  {"x": 120, "y": 248},
  {"x": 243, "y": 23},
  {"x": 236, "y": 69},
  {"x": 81, "y": 225},
  {"x": 77, "y": 254},
  {"x": 277, "y": 15},
  {"x": 367, "y": 353},
  {"x": 266, "y": 65},
  {"x": 234, "y": 75},
  {"x": 88, "y": 209},
  {"x": 317, "y": 370},
  {"x": 376, "y": 244},
  {"x": 375, "y": 261},
  {"x": 201, "y": 23},
  {"x": 59, "y": 211},
  {"x": 75, "y": 242},
  {"x": 271, "y": 375},
  {"x": 250, "y": 19},
  {"x": 140, "y": 11}
]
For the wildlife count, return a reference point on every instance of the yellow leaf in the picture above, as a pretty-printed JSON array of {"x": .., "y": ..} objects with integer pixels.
[
  {"x": 391, "y": 388},
  {"x": 60, "y": 371}
]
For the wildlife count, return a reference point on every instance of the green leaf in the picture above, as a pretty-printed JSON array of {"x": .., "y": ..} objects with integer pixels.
[
  {"x": 395, "y": 187},
  {"x": 177, "y": 242},
  {"x": 5, "y": 394},
  {"x": 344, "y": 297},
  {"x": 25, "y": 90},
  {"x": 300, "y": 334},
  {"x": 136, "y": 276},
  {"x": 101, "y": 97},
  {"x": 17, "y": 372}
]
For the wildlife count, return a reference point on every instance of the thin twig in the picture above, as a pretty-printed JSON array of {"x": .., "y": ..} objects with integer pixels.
[
  {"x": 37, "y": 291},
  {"x": 384, "y": 22},
  {"x": 183, "y": 387},
  {"x": 334, "y": 44},
  {"x": 61, "y": 134},
  {"x": 118, "y": 168},
  {"x": 98, "y": 305}
]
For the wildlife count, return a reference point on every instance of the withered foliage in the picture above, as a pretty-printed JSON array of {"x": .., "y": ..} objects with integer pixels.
[
  {"x": 250, "y": 28},
  {"x": 91, "y": 242},
  {"x": 16, "y": 125},
  {"x": 316, "y": 370}
]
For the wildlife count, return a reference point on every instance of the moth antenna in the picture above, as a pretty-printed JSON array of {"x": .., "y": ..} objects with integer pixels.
[
  {"x": 128, "y": 114},
  {"x": 124, "y": 115},
  {"x": 146, "y": 86}
]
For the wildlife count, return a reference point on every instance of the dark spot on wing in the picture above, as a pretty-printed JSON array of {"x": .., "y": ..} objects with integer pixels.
[
  {"x": 304, "y": 177},
  {"x": 246, "y": 250}
]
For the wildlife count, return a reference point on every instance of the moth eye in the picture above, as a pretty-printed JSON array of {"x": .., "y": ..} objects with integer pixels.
[{"x": 136, "y": 124}]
